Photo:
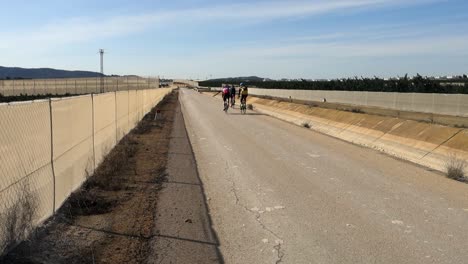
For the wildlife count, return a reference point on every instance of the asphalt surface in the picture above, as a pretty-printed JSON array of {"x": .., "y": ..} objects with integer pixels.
[
  {"x": 182, "y": 224},
  {"x": 279, "y": 193}
]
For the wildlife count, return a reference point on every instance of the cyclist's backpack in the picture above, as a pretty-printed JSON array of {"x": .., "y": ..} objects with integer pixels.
[{"x": 225, "y": 90}]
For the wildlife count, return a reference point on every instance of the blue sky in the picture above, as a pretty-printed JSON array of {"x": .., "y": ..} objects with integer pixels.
[{"x": 276, "y": 39}]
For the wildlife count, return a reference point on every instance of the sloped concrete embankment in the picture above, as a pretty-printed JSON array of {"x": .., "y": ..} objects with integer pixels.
[{"x": 427, "y": 144}]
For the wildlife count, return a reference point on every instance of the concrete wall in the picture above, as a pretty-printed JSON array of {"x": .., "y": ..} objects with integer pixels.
[
  {"x": 187, "y": 82},
  {"x": 426, "y": 144},
  {"x": 51, "y": 146},
  {"x": 76, "y": 85},
  {"x": 446, "y": 104}
]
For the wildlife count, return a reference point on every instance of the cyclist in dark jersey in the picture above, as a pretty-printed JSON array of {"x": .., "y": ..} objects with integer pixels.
[{"x": 233, "y": 95}]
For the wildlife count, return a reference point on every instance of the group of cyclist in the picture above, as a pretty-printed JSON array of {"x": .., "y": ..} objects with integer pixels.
[{"x": 229, "y": 94}]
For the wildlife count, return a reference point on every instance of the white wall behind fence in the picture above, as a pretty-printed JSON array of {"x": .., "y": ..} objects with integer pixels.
[{"x": 51, "y": 146}]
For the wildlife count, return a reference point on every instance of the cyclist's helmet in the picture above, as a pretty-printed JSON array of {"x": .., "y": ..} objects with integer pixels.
[{"x": 241, "y": 84}]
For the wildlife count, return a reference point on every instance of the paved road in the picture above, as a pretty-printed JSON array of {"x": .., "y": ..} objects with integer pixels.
[
  {"x": 182, "y": 223},
  {"x": 281, "y": 193}
]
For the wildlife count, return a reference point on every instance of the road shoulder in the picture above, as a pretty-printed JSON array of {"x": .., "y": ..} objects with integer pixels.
[{"x": 183, "y": 224}]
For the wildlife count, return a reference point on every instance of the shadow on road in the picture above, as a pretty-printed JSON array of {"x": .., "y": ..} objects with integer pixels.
[{"x": 252, "y": 114}]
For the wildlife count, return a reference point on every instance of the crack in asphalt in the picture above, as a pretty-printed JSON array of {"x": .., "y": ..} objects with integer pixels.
[
  {"x": 279, "y": 241},
  {"x": 280, "y": 253}
]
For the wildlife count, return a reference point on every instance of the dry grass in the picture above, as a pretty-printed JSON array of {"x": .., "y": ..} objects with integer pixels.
[
  {"x": 104, "y": 176},
  {"x": 456, "y": 168},
  {"x": 16, "y": 222},
  {"x": 357, "y": 111}
]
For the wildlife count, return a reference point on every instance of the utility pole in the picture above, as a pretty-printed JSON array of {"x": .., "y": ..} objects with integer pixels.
[{"x": 101, "y": 52}]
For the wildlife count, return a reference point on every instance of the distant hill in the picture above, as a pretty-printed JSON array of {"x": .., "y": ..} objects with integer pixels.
[
  {"x": 42, "y": 73},
  {"x": 238, "y": 79}
]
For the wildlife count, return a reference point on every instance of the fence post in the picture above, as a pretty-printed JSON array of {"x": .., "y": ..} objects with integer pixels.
[
  {"x": 52, "y": 154},
  {"x": 115, "y": 116},
  {"x": 128, "y": 111},
  {"x": 92, "y": 132}
]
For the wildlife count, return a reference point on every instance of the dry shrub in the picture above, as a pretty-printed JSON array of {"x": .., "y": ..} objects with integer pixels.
[
  {"x": 250, "y": 106},
  {"x": 86, "y": 203},
  {"x": 306, "y": 125},
  {"x": 104, "y": 175},
  {"x": 455, "y": 168},
  {"x": 16, "y": 222},
  {"x": 357, "y": 111}
]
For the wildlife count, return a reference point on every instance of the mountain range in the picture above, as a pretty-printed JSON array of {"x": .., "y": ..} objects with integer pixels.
[{"x": 42, "y": 73}]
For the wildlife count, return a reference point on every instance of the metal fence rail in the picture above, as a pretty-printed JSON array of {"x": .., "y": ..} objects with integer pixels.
[{"x": 76, "y": 85}]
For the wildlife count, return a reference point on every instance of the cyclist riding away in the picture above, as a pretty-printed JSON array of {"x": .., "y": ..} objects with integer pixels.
[
  {"x": 233, "y": 95},
  {"x": 226, "y": 96},
  {"x": 243, "y": 93}
]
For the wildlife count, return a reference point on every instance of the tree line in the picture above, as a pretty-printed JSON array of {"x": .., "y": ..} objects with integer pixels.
[{"x": 417, "y": 84}]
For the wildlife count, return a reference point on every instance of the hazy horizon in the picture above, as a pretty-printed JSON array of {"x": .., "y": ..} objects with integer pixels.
[{"x": 216, "y": 39}]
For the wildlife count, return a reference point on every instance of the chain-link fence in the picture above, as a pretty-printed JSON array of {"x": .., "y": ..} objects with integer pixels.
[
  {"x": 76, "y": 85},
  {"x": 49, "y": 147}
]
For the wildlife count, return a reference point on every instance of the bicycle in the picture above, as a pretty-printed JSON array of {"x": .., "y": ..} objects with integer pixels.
[
  {"x": 233, "y": 102},
  {"x": 243, "y": 107},
  {"x": 226, "y": 106}
]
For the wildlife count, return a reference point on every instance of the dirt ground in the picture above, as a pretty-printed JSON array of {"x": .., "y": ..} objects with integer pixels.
[{"x": 111, "y": 219}]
